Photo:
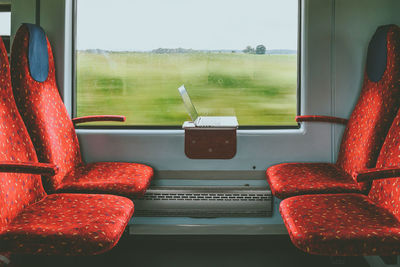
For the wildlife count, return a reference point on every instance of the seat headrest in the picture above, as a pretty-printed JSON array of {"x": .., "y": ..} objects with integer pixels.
[
  {"x": 377, "y": 54},
  {"x": 38, "y": 58}
]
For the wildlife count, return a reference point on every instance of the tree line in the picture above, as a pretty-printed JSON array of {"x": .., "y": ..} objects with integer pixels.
[{"x": 259, "y": 50}]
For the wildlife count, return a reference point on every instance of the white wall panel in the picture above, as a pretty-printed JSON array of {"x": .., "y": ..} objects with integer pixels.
[{"x": 22, "y": 11}]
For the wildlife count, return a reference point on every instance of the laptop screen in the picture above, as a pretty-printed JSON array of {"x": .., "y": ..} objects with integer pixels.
[{"x": 188, "y": 103}]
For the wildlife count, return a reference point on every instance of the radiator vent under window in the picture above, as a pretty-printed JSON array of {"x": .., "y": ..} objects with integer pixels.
[{"x": 205, "y": 202}]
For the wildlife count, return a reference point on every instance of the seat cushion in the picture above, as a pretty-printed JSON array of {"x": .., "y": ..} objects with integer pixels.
[
  {"x": 340, "y": 224},
  {"x": 69, "y": 224},
  {"x": 126, "y": 179},
  {"x": 292, "y": 179}
]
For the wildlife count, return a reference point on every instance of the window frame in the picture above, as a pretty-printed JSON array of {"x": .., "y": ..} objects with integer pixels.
[{"x": 176, "y": 127}]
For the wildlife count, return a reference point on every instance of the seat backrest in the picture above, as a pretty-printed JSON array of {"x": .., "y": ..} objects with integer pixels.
[
  {"x": 16, "y": 190},
  {"x": 386, "y": 192},
  {"x": 40, "y": 104},
  {"x": 377, "y": 105}
]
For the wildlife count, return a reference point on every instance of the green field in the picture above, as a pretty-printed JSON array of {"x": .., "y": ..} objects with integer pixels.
[{"x": 258, "y": 89}]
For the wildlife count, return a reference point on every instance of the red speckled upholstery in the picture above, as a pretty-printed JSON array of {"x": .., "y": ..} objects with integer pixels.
[
  {"x": 48, "y": 122},
  {"x": 386, "y": 192},
  {"x": 69, "y": 224},
  {"x": 53, "y": 134},
  {"x": 351, "y": 224},
  {"x": 17, "y": 190},
  {"x": 94, "y": 178},
  {"x": 31, "y": 221},
  {"x": 309, "y": 178},
  {"x": 340, "y": 225},
  {"x": 362, "y": 139}
]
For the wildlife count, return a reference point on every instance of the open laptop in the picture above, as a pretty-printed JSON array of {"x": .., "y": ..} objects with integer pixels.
[{"x": 205, "y": 121}]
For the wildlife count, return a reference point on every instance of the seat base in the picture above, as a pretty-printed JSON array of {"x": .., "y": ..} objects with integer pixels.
[
  {"x": 69, "y": 224},
  {"x": 118, "y": 178},
  {"x": 293, "y": 179},
  {"x": 340, "y": 225}
]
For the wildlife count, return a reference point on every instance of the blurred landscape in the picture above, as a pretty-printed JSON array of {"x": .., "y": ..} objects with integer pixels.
[{"x": 258, "y": 89}]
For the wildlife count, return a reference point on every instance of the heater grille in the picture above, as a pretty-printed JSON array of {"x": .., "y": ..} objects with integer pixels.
[
  {"x": 205, "y": 202},
  {"x": 207, "y": 196}
]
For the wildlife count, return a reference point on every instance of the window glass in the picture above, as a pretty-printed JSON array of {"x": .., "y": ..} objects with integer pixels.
[
  {"x": 5, "y": 23},
  {"x": 234, "y": 57}
]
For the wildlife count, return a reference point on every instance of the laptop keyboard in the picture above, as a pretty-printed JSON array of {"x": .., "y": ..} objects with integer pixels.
[{"x": 209, "y": 121}]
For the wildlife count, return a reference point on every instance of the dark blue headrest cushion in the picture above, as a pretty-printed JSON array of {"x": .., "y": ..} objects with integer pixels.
[
  {"x": 377, "y": 54},
  {"x": 38, "y": 58}
]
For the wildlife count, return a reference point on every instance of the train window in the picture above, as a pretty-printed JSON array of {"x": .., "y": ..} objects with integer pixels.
[
  {"x": 235, "y": 58},
  {"x": 5, "y": 22}
]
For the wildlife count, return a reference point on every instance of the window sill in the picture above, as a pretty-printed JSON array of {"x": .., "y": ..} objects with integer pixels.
[{"x": 180, "y": 132}]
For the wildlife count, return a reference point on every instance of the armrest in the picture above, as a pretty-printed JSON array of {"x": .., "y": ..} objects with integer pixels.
[
  {"x": 318, "y": 118},
  {"x": 376, "y": 173},
  {"x": 99, "y": 118},
  {"x": 29, "y": 167}
]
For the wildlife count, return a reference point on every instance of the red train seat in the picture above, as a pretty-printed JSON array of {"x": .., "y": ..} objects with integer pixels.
[
  {"x": 352, "y": 224},
  {"x": 32, "y": 222},
  {"x": 365, "y": 130},
  {"x": 52, "y": 130}
]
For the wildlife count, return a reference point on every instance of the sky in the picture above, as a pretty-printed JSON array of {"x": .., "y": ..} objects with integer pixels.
[{"x": 133, "y": 25}]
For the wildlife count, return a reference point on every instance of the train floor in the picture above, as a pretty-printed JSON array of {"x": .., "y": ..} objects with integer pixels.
[{"x": 197, "y": 251}]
